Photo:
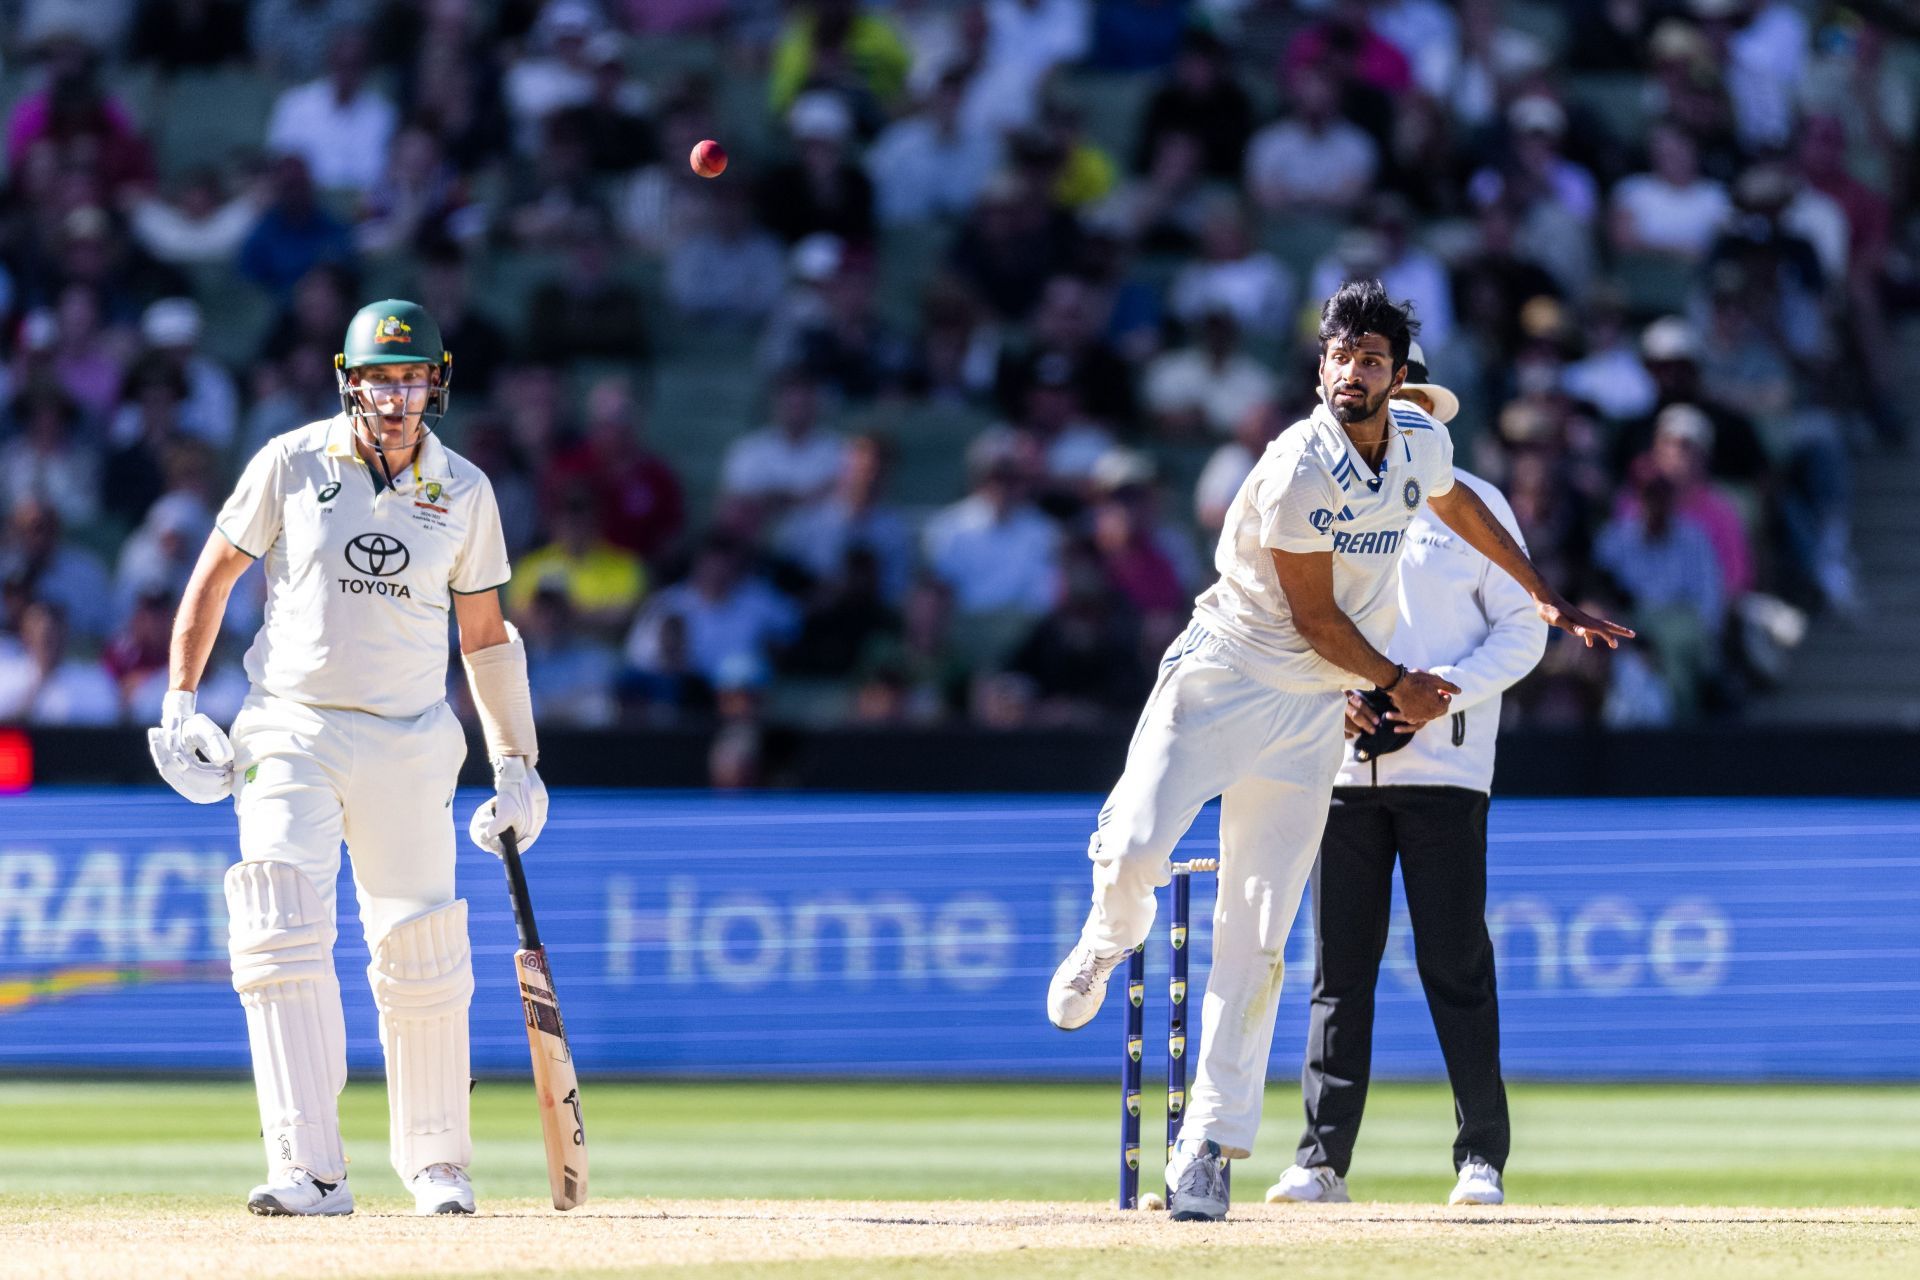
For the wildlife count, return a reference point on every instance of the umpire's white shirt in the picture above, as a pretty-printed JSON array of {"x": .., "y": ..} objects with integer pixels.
[
  {"x": 1465, "y": 619},
  {"x": 360, "y": 577}
]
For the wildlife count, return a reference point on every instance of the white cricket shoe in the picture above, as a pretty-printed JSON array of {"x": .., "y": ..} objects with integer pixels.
[
  {"x": 298, "y": 1194},
  {"x": 1317, "y": 1185},
  {"x": 1197, "y": 1178},
  {"x": 1479, "y": 1184},
  {"x": 1080, "y": 986},
  {"x": 441, "y": 1188}
]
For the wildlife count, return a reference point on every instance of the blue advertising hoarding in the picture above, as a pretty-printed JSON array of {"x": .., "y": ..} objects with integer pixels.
[{"x": 794, "y": 935}]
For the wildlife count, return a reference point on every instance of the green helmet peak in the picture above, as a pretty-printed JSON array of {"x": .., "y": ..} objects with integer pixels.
[{"x": 392, "y": 331}]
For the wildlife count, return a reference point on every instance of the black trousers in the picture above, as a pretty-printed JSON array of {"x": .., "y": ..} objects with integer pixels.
[{"x": 1440, "y": 836}]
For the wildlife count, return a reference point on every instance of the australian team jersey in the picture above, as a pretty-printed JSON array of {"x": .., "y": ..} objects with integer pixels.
[
  {"x": 1312, "y": 491},
  {"x": 361, "y": 575}
]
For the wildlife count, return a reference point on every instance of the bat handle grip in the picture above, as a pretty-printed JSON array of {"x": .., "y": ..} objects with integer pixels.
[{"x": 517, "y": 891}]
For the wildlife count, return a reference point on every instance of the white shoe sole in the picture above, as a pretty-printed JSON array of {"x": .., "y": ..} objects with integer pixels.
[
  {"x": 1276, "y": 1196},
  {"x": 1489, "y": 1200}
]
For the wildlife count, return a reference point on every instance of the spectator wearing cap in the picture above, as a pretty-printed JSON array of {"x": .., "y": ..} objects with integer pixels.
[
  {"x": 848, "y": 345},
  {"x": 1610, "y": 376},
  {"x": 1208, "y": 386},
  {"x": 171, "y": 329},
  {"x": 1671, "y": 209},
  {"x": 41, "y": 684},
  {"x": 1682, "y": 442},
  {"x": 310, "y": 120},
  {"x": 1668, "y": 568},
  {"x": 1127, "y": 536},
  {"x": 1257, "y": 287},
  {"x": 822, "y": 188},
  {"x": 928, "y": 165},
  {"x": 1671, "y": 348},
  {"x": 638, "y": 497},
  {"x": 49, "y": 459},
  {"x": 791, "y": 461},
  {"x": 603, "y": 583},
  {"x": 993, "y": 548},
  {"x": 1200, "y": 97},
  {"x": 557, "y": 70},
  {"x": 1312, "y": 158},
  {"x": 1553, "y": 198},
  {"x": 820, "y": 535}
]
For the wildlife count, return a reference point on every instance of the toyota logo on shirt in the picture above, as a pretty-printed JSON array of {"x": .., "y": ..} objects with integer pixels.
[{"x": 377, "y": 555}]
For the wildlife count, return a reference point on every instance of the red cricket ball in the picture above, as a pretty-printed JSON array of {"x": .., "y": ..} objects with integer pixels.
[{"x": 709, "y": 159}]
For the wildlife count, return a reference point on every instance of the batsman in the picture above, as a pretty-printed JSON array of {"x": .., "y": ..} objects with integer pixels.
[{"x": 370, "y": 532}]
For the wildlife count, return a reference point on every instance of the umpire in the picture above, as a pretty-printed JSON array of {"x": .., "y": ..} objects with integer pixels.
[{"x": 1418, "y": 792}]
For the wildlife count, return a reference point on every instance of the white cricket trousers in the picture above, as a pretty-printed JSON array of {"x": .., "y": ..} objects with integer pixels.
[
  {"x": 307, "y": 779},
  {"x": 1270, "y": 755}
]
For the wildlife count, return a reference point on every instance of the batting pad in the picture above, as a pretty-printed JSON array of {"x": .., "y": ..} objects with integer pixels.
[
  {"x": 280, "y": 939},
  {"x": 422, "y": 976}
]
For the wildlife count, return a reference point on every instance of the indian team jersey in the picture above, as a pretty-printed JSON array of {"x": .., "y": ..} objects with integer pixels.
[
  {"x": 361, "y": 577},
  {"x": 1312, "y": 491}
]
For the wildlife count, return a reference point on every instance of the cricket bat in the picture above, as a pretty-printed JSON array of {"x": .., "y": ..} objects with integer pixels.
[{"x": 554, "y": 1081}]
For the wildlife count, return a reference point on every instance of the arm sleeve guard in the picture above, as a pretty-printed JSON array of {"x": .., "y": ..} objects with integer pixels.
[{"x": 498, "y": 677}]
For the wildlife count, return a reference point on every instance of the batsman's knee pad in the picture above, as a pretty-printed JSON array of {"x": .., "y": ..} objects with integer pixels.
[
  {"x": 422, "y": 979},
  {"x": 280, "y": 940}
]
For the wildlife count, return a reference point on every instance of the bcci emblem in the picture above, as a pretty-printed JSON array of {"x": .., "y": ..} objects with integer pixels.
[
  {"x": 1411, "y": 494},
  {"x": 434, "y": 491},
  {"x": 393, "y": 329}
]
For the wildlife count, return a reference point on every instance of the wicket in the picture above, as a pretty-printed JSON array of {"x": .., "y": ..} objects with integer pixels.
[{"x": 1177, "y": 1035}]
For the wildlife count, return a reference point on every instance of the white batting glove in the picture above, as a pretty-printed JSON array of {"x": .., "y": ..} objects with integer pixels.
[
  {"x": 519, "y": 805},
  {"x": 191, "y": 752}
]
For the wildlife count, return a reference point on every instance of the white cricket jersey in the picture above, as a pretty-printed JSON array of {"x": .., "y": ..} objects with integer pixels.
[
  {"x": 1312, "y": 491},
  {"x": 1463, "y": 618},
  {"x": 361, "y": 577}
]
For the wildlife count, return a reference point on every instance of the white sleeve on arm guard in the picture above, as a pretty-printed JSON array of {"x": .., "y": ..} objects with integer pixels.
[{"x": 498, "y": 677}]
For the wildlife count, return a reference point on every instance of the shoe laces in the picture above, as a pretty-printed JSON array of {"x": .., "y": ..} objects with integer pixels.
[
  {"x": 440, "y": 1173},
  {"x": 1201, "y": 1176},
  {"x": 1479, "y": 1170},
  {"x": 1097, "y": 966}
]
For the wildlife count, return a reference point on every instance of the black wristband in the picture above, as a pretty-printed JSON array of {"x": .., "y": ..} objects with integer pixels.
[{"x": 1399, "y": 673}]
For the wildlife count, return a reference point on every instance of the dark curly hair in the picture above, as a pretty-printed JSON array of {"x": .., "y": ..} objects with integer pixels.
[{"x": 1362, "y": 306}]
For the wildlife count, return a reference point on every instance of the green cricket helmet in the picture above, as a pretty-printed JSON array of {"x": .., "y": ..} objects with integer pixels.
[{"x": 395, "y": 331}]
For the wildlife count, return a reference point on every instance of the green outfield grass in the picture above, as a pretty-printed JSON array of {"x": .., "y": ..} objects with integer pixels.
[{"x": 195, "y": 1143}]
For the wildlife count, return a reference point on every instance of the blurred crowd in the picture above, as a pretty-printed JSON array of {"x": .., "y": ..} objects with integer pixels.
[{"x": 1663, "y": 251}]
